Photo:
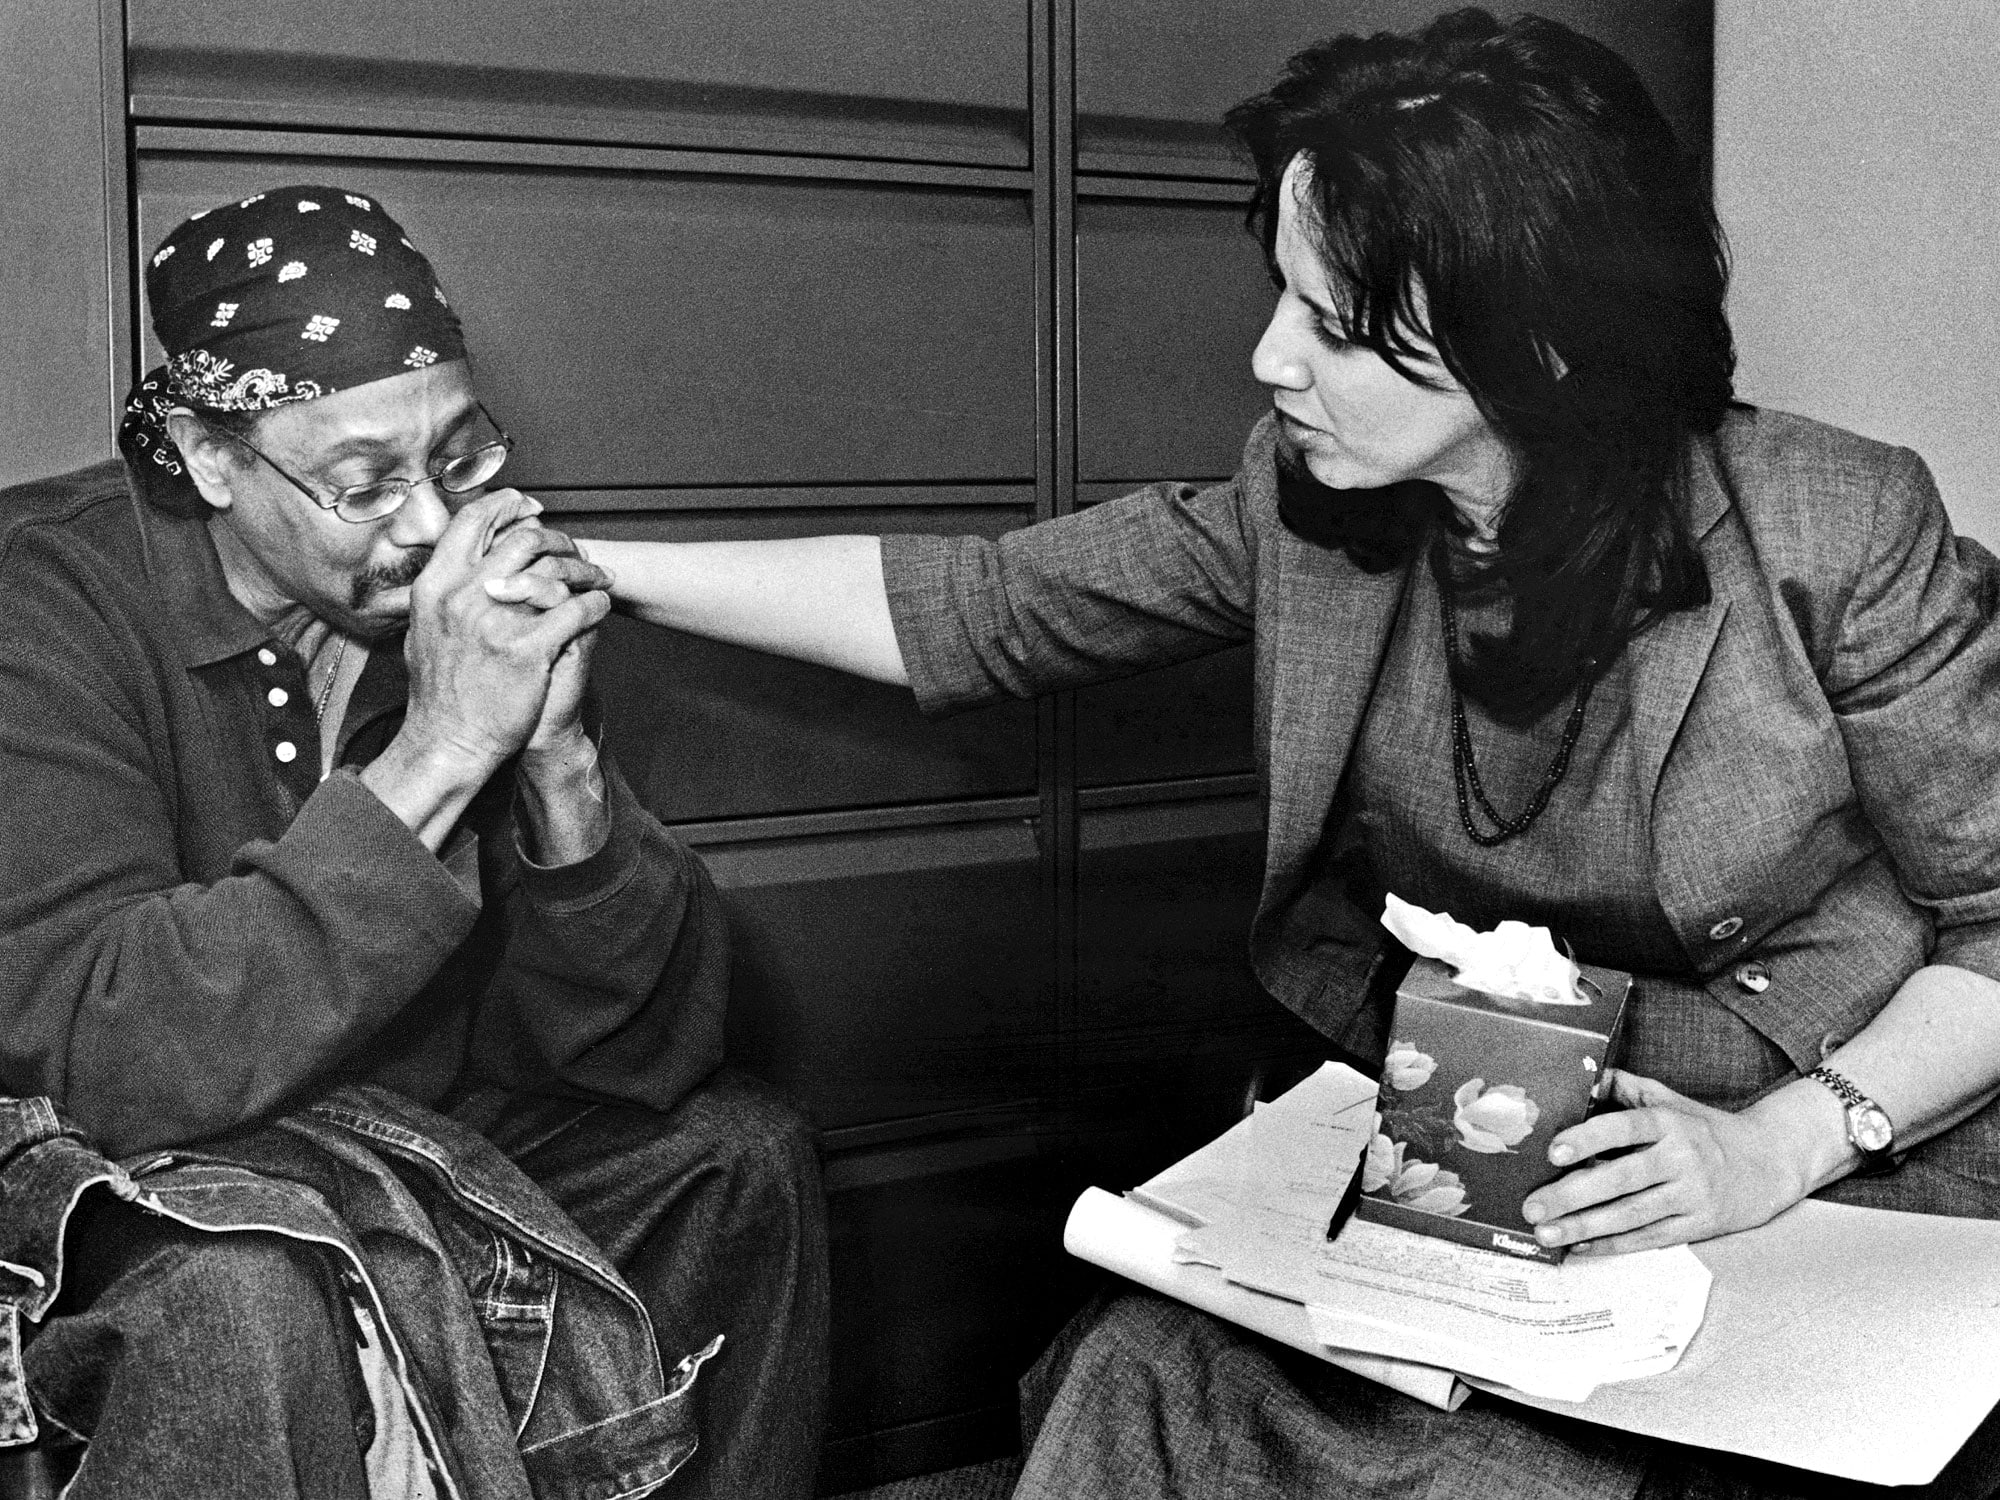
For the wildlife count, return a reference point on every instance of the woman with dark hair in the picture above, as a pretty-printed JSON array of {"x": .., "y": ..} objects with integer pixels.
[
  {"x": 1547, "y": 627},
  {"x": 1502, "y": 212}
]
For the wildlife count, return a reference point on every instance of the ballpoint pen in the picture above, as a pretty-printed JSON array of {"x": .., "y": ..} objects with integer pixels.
[{"x": 1344, "y": 1210}]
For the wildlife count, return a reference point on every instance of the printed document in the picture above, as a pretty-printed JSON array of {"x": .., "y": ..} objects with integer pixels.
[
  {"x": 1855, "y": 1342},
  {"x": 1552, "y": 1330}
]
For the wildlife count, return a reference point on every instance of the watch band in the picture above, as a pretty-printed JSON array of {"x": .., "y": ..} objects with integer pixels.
[{"x": 1840, "y": 1084}]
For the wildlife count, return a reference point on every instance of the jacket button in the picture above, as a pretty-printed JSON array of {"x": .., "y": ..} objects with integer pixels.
[
  {"x": 286, "y": 751},
  {"x": 267, "y": 656},
  {"x": 1753, "y": 978},
  {"x": 1829, "y": 1044},
  {"x": 1726, "y": 929}
]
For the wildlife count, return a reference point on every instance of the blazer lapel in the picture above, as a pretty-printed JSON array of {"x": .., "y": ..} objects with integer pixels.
[
  {"x": 1667, "y": 660},
  {"x": 1666, "y": 663},
  {"x": 1332, "y": 629}
]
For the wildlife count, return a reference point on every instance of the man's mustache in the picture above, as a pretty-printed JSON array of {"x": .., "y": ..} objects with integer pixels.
[{"x": 396, "y": 575}]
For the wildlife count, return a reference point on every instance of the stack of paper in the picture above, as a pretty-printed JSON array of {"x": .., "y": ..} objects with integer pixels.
[
  {"x": 1137, "y": 1242},
  {"x": 1265, "y": 1198},
  {"x": 1554, "y": 1331},
  {"x": 1849, "y": 1341},
  {"x": 1142, "y": 1236}
]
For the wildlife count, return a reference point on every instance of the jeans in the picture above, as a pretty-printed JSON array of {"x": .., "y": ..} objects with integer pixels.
[{"x": 222, "y": 1365}]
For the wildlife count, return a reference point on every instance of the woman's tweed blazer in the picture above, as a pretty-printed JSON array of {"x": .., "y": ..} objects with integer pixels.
[{"x": 1823, "y": 738}]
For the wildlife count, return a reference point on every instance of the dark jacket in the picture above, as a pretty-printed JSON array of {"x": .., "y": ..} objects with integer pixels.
[
  {"x": 1820, "y": 742},
  {"x": 197, "y": 933}
]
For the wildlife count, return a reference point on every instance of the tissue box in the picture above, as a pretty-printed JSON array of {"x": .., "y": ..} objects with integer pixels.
[{"x": 1474, "y": 1088}]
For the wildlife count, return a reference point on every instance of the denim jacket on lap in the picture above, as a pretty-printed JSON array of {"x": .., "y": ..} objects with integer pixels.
[{"x": 533, "y": 1367}]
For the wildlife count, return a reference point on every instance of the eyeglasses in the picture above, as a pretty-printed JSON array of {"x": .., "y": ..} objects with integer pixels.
[{"x": 362, "y": 503}]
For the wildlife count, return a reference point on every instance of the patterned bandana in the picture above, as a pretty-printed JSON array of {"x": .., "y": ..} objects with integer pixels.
[{"x": 288, "y": 296}]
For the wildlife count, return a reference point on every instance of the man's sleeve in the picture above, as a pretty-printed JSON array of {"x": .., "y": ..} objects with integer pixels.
[
  {"x": 616, "y": 973},
  {"x": 1156, "y": 577},
  {"x": 1915, "y": 680},
  {"x": 154, "y": 1009}
]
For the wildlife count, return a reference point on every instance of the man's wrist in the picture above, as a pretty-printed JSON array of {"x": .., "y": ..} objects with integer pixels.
[
  {"x": 427, "y": 782},
  {"x": 560, "y": 793},
  {"x": 568, "y": 753},
  {"x": 441, "y": 751}
]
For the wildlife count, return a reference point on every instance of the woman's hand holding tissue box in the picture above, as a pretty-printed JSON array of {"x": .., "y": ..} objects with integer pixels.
[
  {"x": 1698, "y": 1172},
  {"x": 1688, "y": 1172}
]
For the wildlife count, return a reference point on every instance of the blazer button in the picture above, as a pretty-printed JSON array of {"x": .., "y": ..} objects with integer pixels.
[
  {"x": 1726, "y": 929},
  {"x": 1753, "y": 978}
]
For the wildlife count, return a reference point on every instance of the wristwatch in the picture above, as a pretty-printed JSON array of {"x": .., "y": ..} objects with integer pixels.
[{"x": 1868, "y": 1128}]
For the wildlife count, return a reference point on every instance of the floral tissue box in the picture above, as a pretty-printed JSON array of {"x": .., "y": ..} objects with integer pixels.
[{"x": 1473, "y": 1089}]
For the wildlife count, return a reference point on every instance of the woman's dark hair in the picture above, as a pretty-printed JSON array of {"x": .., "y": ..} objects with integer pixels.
[{"x": 1509, "y": 192}]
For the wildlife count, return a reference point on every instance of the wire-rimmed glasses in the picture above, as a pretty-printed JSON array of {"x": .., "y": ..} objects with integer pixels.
[{"x": 362, "y": 503}]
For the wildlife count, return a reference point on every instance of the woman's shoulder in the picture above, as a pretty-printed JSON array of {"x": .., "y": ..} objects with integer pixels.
[
  {"x": 1850, "y": 532},
  {"x": 1779, "y": 455},
  {"x": 1817, "y": 499}
]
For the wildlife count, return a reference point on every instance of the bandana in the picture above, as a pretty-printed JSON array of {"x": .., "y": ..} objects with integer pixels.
[{"x": 287, "y": 296}]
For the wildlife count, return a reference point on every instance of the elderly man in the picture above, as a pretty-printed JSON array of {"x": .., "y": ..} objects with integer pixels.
[{"x": 321, "y": 910}]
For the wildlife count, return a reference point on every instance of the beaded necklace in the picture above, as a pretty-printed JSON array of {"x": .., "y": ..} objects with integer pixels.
[{"x": 1465, "y": 770}]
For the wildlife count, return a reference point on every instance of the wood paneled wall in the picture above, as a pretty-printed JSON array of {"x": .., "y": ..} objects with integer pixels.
[{"x": 791, "y": 267}]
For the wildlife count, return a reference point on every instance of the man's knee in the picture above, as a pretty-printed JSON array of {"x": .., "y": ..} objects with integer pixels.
[
  {"x": 751, "y": 1136},
  {"x": 130, "y": 1263},
  {"x": 258, "y": 1287},
  {"x": 233, "y": 1321}
]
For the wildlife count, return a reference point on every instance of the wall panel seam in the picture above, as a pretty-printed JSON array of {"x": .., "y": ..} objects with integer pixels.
[
  {"x": 760, "y": 829},
  {"x": 121, "y": 255},
  {"x": 474, "y": 151},
  {"x": 1175, "y": 789}
]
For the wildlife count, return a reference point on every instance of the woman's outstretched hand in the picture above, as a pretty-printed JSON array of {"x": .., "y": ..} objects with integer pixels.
[{"x": 1685, "y": 1171}]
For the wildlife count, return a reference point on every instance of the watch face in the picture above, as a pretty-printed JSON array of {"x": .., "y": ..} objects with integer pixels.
[{"x": 1869, "y": 1128}]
